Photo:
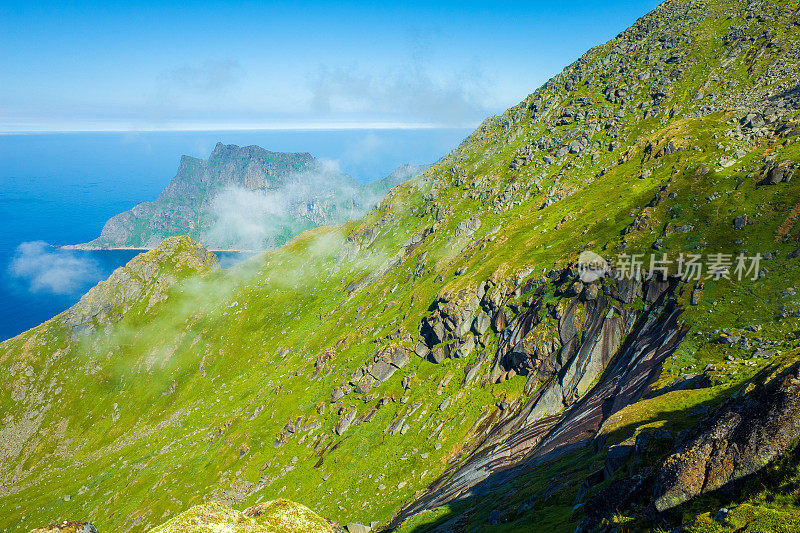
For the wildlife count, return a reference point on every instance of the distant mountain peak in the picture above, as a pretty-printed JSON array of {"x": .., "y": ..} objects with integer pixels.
[{"x": 246, "y": 198}]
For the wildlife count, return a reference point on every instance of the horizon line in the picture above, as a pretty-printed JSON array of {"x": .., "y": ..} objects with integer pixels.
[{"x": 242, "y": 127}]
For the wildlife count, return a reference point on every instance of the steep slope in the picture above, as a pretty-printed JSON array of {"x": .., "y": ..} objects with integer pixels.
[
  {"x": 446, "y": 362},
  {"x": 245, "y": 198}
]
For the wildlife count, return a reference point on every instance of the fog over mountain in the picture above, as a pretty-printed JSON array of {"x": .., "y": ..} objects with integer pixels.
[{"x": 246, "y": 198}]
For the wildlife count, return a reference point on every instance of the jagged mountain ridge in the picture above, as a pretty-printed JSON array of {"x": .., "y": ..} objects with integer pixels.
[
  {"x": 439, "y": 364},
  {"x": 245, "y": 198}
]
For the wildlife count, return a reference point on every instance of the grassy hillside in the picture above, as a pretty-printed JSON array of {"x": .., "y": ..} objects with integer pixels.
[{"x": 249, "y": 385}]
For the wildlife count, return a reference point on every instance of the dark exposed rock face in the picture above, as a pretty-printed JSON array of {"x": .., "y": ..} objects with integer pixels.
[
  {"x": 780, "y": 172},
  {"x": 738, "y": 440},
  {"x": 600, "y": 357}
]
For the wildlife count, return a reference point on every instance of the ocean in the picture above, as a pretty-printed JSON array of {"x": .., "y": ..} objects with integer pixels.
[{"x": 60, "y": 188}]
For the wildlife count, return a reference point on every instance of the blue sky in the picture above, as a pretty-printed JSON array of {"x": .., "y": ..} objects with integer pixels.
[{"x": 244, "y": 65}]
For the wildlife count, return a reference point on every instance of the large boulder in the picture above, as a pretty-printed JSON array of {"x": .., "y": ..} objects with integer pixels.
[
  {"x": 752, "y": 121},
  {"x": 345, "y": 421},
  {"x": 740, "y": 439},
  {"x": 776, "y": 173}
]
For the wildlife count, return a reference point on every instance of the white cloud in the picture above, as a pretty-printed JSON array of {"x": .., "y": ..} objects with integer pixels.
[
  {"x": 246, "y": 219},
  {"x": 210, "y": 77},
  {"x": 203, "y": 88},
  {"x": 258, "y": 219},
  {"x": 44, "y": 268},
  {"x": 412, "y": 92}
]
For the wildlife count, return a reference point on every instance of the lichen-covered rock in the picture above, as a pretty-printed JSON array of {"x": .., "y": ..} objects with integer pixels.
[
  {"x": 780, "y": 172},
  {"x": 345, "y": 421},
  {"x": 453, "y": 319},
  {"x": 467, "y": 227},
  {"x": 285, "y": 515},
  {"x": 277, "y": 516},
  {"x": 740, "y": 439}
]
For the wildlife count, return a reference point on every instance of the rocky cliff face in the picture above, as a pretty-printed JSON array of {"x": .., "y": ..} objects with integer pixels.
[
  {"x": 246, "y": 198},
  {"x": 444, "y": 363}
]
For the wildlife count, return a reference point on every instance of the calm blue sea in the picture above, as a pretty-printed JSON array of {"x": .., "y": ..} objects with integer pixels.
[{"x": 59, "y": 189}]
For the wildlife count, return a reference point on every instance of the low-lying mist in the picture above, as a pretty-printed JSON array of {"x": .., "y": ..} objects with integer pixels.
[
  {"x": 42, "y": 268},
  {"x": 248, "y": 219}
]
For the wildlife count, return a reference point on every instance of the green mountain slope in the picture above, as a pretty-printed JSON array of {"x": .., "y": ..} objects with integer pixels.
[
  {"x": 246, "y": 198},
  {"x": 440, "y": 362}
]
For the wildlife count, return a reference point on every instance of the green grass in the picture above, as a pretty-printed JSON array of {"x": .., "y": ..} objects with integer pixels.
[{"x": 188, "y": 374}]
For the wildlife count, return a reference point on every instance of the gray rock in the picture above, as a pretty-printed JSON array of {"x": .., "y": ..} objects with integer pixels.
[
  {"x": 421, "y": 349},
  {"x": 345, "y": 421},
  {"x": 740, "y": 439},
  {"x": 467, "y": 227},
  {"x": 549, "y": 403},
  {"x": 438, "y": 333},
  {"x": 365, "y": 384},
  {"x": 357, "y": 375},
  {"x": 437, "y": 355},
  {"x": 337, "y": 394},
  {"x": 463, "y": 326},
  {"x": 765, "y": 354},
  {"x": 740, "y": 222},
  {"x": 465, "y": 349},
  {"x": 355, "y": 527},
  {"x": 382, "y": 370},
  {"x": 481, "y": 323},
  {"x": 752, "y": 121},
  {"x": 778, "y": 173},
  {"x": 618, "y": 455},
  {"x": 399, "y": 357},
  {"x": 472, "y": 372}
]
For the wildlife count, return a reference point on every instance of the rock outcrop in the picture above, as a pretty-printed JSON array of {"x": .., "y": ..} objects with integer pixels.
[
  {"x": 737, "y": 441},
  {"x": 596, "y": 358}
]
